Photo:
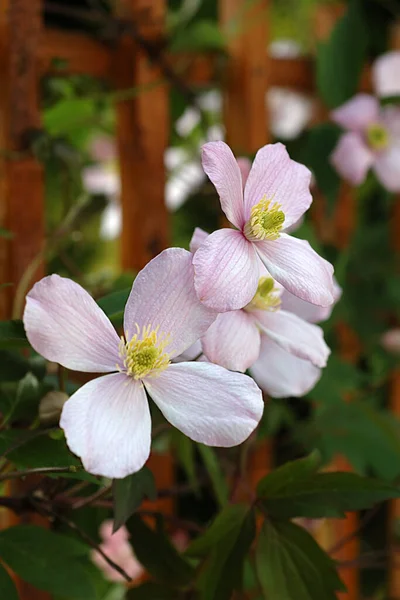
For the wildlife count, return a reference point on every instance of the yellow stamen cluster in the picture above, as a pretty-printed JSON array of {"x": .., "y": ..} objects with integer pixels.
[
  {"x": 377, "y": 136},
  {"x": 266, "y": 221},
  {"x": 143, "y": 355},
  {"x": 267, "y": 295}
]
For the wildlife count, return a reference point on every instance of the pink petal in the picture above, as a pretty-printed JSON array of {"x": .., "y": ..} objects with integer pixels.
[
  {"x": 278, "y": 178},
  {"x": 245, "y": 168},
  {"x": 386, "y": 74},
  {"x": 294, "y": 264},
  {"x": 281, "y": 374},
  {"x": 194, "y": 351},
  {"x": 163, "y": 296},
  {"x": 387, "y": 168},
  {"x": 390, "y": 118},
  {"x": 207, "y": 403},
  {"x": 221, "y": 167},
  {"x": 107, "y": 424},
  {"x": 294, "y": 335},
  {"x": 232, "y": 341},
  {"x": 198, "y": 238},
  {"x": 352, "y": 158},
  {"x": 357, "y": 113},
  {"x": 65, "y": 325},
  {"x": 226, "y": 271},
  {"x": 391, "y": 341},
  {"x": 305, "y": 310}
]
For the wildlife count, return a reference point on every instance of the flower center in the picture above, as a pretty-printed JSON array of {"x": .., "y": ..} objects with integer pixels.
[
  {"x": 377, "y": 136},
  {"x": 267, "y": 296},
  {"x": 266, "y": 221},
  {"x": 144, "y": 354}
]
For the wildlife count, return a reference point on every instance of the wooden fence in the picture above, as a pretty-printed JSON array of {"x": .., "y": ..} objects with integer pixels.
[{"x": 27, "y": 52}]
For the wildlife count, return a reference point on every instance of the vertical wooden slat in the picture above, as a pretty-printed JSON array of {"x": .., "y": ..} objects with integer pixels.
[{"x": 142, "y": 137}]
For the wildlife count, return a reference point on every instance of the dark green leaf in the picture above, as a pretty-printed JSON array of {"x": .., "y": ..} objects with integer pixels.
[
  {"x": 291, "y": 565},
  {"x": 49, "y": 561},
  {"x": 152, "y": 591},
  {"x": 14, "y": 367},
  {"x": 185, "y": 449},
  {"x": 8, "y": 590},
  {"x": 340, "y": 60},
  {"x": 289, "y": 474},
  {"x": 128, "y": 494},
  {"x": 12, "y": 335},
  {"x": 6, "y": 233},
  {"x": 217, "y": 477},
  {"x": 114, "y": 305},
  {"x": 201, "y": 35},
  {"x": 156, "y": 553}
]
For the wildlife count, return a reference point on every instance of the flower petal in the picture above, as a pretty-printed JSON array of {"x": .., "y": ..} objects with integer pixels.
[
  {"x": 107, "y": 424},
  {"x": 307, "y": 311},
  {"x": 198, "y": 238},
  {"x": 223, "y": 170},
  {"x": 294, "y": 335},
  {"x": 352, "y": 158},
  {"x": 208, "y": 403},
  {"x": 281, "y": 374},
  {"x": 194, "y": 351},
  {"x": 226, "y": 271},
  {"x": 163, "y": 296},
  {"x": 386, "y": 74},
  {"x": 280, "y": 179},
  {"x": 65, "y": 325},
  {"x": 245, "y": 168},
  {"x": 387, "y": 168},
  {"x": 232, "y": 341},
  {"x": 294, "y": 264},
  {"x": 357, "y": 113}
]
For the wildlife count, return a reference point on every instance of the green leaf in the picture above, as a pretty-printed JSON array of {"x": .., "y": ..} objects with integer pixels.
[
  {"x": 291, "y": 565},
  {"x": 156, "y": 553},
  {"x": 114, "y": 305},
  {"x": 47, "y": 560},
  {"x": 6, "y": 233},
  {"x": 225, "y": 546},
  {"x": 68, "y": 115},
  {"x": 128, "y": 494},
  {"x": 340, "y": 60},
  {"x": 8, "y": 591},
  {"x": 202, "y": 35},
  {"x": 12, "y": 335},
  {"x": 14, "y": 367},
  {"x": 214, "y": 470},
  {"x": 152, "y": 591},
  {"x": 185, "y": 449},
  {"x": 291, "y": 473}
]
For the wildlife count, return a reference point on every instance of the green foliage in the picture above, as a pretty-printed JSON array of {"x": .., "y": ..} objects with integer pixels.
[
  {"x": 215, "y": 473},
  {"x": 114, "y": 305},
  {"x": 340, "y": 60},
  {"x": 12, "y": 335},
  {"x": 291, "y": 565},
  {"x": 7, "y": 587},
  {"x": 201, "y": 35},
  {"x": 129, "y": 493},
  {"x": 152, "y": 591}
]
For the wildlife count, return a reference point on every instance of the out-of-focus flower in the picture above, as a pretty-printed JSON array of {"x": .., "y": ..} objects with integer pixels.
[
  {"x": 372, "y": 140},
  {"x": 275, "y": 196},
  {"x": 163, "y": 317},
  {"x": 386, "y": 74},
  {"x": 117, "y": 547},
  {"x": 391, "y": 341}
]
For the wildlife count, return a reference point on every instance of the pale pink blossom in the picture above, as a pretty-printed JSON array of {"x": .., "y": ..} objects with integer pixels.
[
  {"x": 391, "y": 341},
  {"x": 386, "y": 74},
  {"x": 107, "y": 421},
  {"x": 276, "y": 194},
  {"x": 117, "y": 547}
]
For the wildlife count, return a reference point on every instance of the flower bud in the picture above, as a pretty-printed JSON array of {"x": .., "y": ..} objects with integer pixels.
[{"x": 50, "y": 407}]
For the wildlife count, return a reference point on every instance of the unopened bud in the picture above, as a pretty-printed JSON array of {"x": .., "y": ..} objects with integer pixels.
[{"x": 50, "y": 407}]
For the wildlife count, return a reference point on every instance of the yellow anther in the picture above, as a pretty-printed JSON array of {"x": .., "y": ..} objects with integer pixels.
[
  {"x": 267, "y": 296},
  {"x": 143, "y": 355},
  {"x": 377, "y": 136},
  {"x": 266, "y": 221}
]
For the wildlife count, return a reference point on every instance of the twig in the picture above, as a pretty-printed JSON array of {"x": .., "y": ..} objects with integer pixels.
[
  {"x": 81, "y": 502},
  {"x": 38, "y": 470},
  {"x": 363, "y": 523},
  {"x": 183, "y": 523}
]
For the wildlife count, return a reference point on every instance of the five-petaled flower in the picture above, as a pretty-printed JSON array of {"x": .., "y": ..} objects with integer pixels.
[
  {"x": 275, "y": 196},
  {"x": 107, "y": 421}
]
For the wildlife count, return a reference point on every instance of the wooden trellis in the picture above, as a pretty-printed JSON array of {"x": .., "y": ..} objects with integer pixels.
[{"x": 27, "y": 52}]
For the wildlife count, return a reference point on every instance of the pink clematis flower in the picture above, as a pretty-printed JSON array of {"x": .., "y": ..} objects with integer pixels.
[
  {"x": 107, "y": 421},
  {"x": 281, "y": 349},
  {"x": 372, "y": 140},
  {"x": 276, "y": 194},
  {"x": 386, "y": 74},
  {"x": 391, "y": 341},
  {"x": 116, "y": 546}
]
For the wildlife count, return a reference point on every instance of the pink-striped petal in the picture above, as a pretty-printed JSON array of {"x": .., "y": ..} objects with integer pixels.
[
  {"x": 352, "y": 158},
  {"x": 207, "y": 403},
  {"x": 275, "y": 176},
  {"x": 294, "y": 335},
  {"x": 387, "y": 168},
  {"x": 163, "y": 296},
  {"x": 357, "y": 113},
  {"x": 221, "y": 167},
  {"x": 281, "y": 374},
  {"x": 226, "y": 271},
  {"x": 65, "y": 325},
  {"x": 310, "y": 312},
  {"x": 245, "y": 168},
  {"x": 107, "y": 424},
  {"x": 294, "y": 264},
  {"x": 386, "y": 74},
  {"x": 198, "y": 238},
  {"x": 232, "y": 341}
]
